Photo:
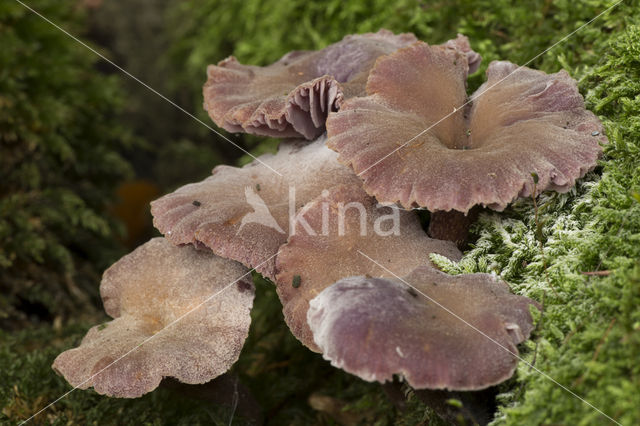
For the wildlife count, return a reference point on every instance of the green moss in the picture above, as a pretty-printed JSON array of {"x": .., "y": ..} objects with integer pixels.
[
  {"x": 29, "y": 384},
  {"x": 589, "y": 339},
  {"x": 59, "y": 164}
]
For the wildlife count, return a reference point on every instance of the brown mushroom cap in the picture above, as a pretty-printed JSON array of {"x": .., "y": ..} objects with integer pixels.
[
  {"x": 243, "y": 213},
  {"x": 292, "y": 97},
  {"x": 375, "y": 328},
  {"x": 530, "y": 122},
  {"x": 189, "y": 307},
  {"x": 461, "y": 43},
  {"x": 317, "y": 261}
]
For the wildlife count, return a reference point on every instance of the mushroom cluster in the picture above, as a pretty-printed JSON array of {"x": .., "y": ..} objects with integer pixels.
[{"x": 329, "y": 219}]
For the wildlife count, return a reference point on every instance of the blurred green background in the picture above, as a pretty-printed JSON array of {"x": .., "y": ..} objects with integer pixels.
[{"x": 83, "y": 149}]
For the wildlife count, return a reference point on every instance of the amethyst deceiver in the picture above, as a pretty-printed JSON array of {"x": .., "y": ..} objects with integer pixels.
[
  {"x": 243, "y": 213},
  {"x": 178, "y": 312},
  {"x": 376, "y": 328},
  {"x": 412, "y": 140}
]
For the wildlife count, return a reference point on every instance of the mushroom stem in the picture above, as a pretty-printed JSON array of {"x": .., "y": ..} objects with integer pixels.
[
  {"x": 452, "y": 225},
  {"x": 395, "y": 394}
]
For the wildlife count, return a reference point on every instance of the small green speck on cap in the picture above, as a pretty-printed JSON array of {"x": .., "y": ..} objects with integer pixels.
[{"x": 296, "y": 281}]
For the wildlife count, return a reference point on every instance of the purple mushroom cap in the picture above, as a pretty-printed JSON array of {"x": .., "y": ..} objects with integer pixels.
[
  {"x": 292, "y": 97},
  {"x": 412, "y": 141},
  {"x": 243, "y": 213},
  {"x": 345, "y": 220},
  {"x": 376, "y": 328}
]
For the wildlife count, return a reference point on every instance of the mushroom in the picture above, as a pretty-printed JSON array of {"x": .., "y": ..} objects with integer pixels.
[
  {"x": 178, "y": 312},
  {"x": 342, "y": 221},
  {"x": 435, "y": 330},
  {"x": 292, "y": 97},
  {"x": 413, "y": 140},
  {"x": 243, "y": 213},
  {"x": 461, "y": 43}
]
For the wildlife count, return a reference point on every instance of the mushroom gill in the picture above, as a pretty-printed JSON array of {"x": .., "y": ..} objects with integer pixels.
[{"x": 293, "y": 96}]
